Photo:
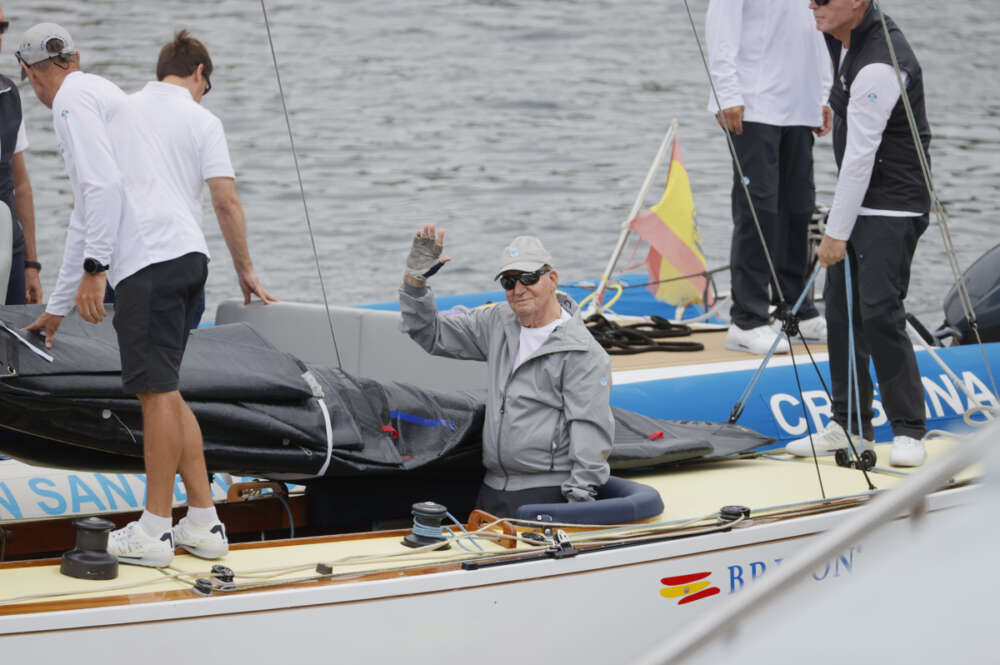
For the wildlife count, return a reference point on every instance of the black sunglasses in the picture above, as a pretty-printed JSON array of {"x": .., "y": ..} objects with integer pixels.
[
  {"x": 526, "y": 278},
  {"x": 3, "y": 26},
  {"x": 820, "y": 3}
]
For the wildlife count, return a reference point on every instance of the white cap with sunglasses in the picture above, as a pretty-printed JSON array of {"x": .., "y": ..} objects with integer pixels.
[
  {"x": 43, "y": 41},
  {"x": 525, "y": 253}
]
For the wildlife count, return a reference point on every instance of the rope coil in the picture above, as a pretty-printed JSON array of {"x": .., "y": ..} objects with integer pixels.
[{"x": 635, "y": 338}]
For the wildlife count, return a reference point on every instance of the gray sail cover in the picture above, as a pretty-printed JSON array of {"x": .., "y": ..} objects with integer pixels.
[{"x": 260, "y": 411}]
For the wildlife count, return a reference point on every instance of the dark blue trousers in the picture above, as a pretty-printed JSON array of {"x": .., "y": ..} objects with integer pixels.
[
  {"x": 880, "y": 251},
  {"x": 779, "y": 165}
]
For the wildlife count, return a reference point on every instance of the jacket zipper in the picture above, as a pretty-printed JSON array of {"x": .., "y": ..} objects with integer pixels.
[{"x": 503, "y": 409}]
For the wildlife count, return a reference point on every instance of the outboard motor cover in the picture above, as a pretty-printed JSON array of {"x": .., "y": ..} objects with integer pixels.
[{"x": 982, "y": 279}]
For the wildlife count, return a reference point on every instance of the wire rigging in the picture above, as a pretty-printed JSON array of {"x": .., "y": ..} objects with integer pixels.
[
  {"x": 302, "y": 190},
  {"x": 744, "y": 181},
  {"x": 939, "y": 212}
]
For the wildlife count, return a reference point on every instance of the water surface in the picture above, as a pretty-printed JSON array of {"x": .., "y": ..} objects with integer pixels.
[{"x": 491, "y": 118}]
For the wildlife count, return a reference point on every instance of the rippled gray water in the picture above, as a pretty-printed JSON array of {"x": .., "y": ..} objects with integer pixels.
[{"x": 491, "y": 118}]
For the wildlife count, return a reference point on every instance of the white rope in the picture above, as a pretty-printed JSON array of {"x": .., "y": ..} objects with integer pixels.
[{"x": 958, "y": 383}]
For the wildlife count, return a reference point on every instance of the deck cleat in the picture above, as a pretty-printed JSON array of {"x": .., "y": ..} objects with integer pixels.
[
  {"x": 734, "y": 513},
  {"x": 203, "y": 586},
  {"x": 563, "y": 548},
  {"x": 223, "y": 577}
]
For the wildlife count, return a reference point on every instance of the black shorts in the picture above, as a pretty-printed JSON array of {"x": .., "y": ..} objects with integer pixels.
[{"x": 152, "y": 312}]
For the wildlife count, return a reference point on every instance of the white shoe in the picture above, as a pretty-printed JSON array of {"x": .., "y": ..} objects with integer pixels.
[
  {"x": 826, "y": 441},
  {"x": 814, "y": 329},
  {"x": 131, "y": 544},
  {"x": 755, "y": 340},
  {"x": 907, "y": 451},
  {"x": 208, "y": 542}
]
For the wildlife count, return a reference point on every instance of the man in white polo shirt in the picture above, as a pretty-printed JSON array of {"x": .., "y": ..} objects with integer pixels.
[{"x": 166, "y": 146}]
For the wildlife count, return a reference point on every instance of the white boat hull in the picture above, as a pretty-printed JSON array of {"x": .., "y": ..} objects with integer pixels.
[{"x": 597, "y": 607}]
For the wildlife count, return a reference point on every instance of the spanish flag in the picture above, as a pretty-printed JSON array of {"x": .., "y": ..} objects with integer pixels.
[
  {"x": 671, "y": 230},
  {"x": 688, "y": 588}
]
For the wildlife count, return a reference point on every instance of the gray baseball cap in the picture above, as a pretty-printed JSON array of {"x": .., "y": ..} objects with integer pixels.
[
  {"x": 43, "y": 41},
  {"x": 526, "y": 254}
]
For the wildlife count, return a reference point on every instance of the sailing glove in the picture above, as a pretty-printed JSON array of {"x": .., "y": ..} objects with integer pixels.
[{"x": 425, "y": 257}]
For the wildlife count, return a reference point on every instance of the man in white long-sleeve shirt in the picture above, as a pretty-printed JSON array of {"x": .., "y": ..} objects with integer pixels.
[
  {"x": 879, "y": 212},
  {"x": 770, "y": 70},
  {"x": 81, "y": 104}
]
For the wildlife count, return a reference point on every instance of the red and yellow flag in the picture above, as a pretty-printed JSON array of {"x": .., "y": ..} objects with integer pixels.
[
  {"x": 671, "y": 230},
  {"x": 688, "y": 588}
]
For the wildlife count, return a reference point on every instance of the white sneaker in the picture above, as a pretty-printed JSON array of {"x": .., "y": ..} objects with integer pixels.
[
  {"x": 208, "y": 542},
  {"x": 907, "y": 451},
  {"x": 755, "y": 340},
  {"x": 131, "y": 544},
  {"x": 814, "y": 329},
  {"x": 826, "y": 441}
]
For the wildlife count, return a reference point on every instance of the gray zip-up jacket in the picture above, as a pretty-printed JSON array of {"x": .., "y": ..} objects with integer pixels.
[{"x": 549, "y": 422}]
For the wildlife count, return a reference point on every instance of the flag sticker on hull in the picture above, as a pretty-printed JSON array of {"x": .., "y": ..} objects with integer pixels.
[{"x": 688, "y": 588}]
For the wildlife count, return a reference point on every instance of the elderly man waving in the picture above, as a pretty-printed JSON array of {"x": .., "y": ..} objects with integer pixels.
[{"x": 549, "y": 427}]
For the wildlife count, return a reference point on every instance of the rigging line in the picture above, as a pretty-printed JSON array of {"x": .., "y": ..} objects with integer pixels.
[
  {"x": 939, "y": 211},
  {"x": 829, "y": 397},
  {"x": 737, "y": 411},
  {"x": 853, "y": 392},
  {"x": 736, "y": 161},
  {"x": 302, "y": 190},
  {"x": 703, "y": 273},
  {"x": 805, "y": 416}
]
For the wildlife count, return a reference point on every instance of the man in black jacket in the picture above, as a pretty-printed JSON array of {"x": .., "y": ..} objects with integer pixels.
[
  {"x": 879, "y": 212},
  {"x": 23, "y": 285}
]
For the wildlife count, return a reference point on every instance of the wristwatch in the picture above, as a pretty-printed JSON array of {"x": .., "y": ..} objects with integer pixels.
[{"x": 93, "y": 266}]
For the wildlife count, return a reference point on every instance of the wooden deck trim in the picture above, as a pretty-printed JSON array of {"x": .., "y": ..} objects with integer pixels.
[{"x": 111, "y": 601}]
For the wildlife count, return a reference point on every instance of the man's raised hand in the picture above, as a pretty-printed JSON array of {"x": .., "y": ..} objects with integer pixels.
[{"x": 425, "y": 255}]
